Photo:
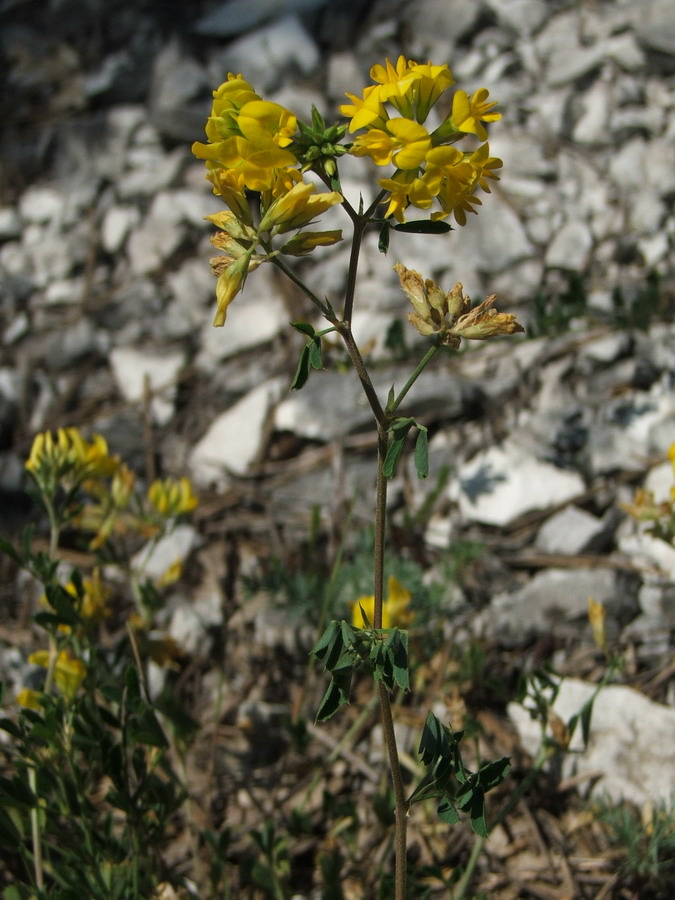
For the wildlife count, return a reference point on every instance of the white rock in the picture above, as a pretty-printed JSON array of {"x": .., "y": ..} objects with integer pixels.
[
  {"x": 254, "y": 318},
  {"x": 118, "y": 221},
  {"x": 502, "y": 483},
  {"x": 571, "y": 247},
  {"x": 132, "y": 366},
  {"x": 151, "y": 171},
  {"x": 550, "y": 599},
  {"x": 156, "y": 558},
  {"x": 152, "y": 244},
  {"x": 176, "y": 79},
  {"x": 524, "y": 16},
  {"x": 492, "y": 241},
  {"x": 631, "y": 740},
  {"x": 649, "y": 551},
  {"x": 234, "y": 439},
  {"x": 592, "y": 127},
  {"x": 41, "y": 205},
  {"x": 571, "y": 531},
  {"x": 187, "y": 206},
  {"x": 10, "y": 224},
  {"x": 655, "y": 25},
  {"x": 70, "y": 291},
  {"x": 265, "y": 53}
]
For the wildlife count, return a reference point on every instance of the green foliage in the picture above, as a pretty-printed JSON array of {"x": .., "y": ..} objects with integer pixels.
[
  {"x": 644, "y": 847},
  {"x": 343, "y": 649},
  {"x": 448, "y": 779},
  {"x": 399, "y": 429},
  {"x": 310, "y": 357}
]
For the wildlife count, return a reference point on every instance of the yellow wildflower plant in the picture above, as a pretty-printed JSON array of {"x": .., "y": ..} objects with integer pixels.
[
  {"x": 172, "y": 497},
  {"x": 431, "y": 168},
  {"x": 68, "y": 459},
  {"x": 69, "y": 672},
  {"x": 91, "y": 602},
  {"x": 449, "y": 315},
  {"x": 396, "y": 612}
]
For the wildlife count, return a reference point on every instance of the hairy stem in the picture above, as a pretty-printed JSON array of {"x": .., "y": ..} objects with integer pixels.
[{"x": 401, "y": 806}]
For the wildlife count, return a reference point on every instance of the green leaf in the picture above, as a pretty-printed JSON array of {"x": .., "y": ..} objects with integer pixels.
[
  {"x": 15, "y": 794},
  {"x": 9, "y": 550},
  {"x": 434, "y": 743},
  {"x": 447, "y": 812},
  {"x": 423, "y": 226},
  {"x": 477, "y": 814},
  {"x": 304, "y": 328},
  {"x": 399, "y": 430},
  {"x": 422, "y": 452},
  {"x": 144, "y": 728},
  {"x": 396, "y": 647},
  {"x": 493, "y": 773},
  {"x": 302, "y": 372},
  {"x": 10, "y": 838},
  {"x": 336, "y": 695},
  {"x": 383, "y": 242},
  {"x": 314, "y": 349},
  {"x": 322, "y": 646}
]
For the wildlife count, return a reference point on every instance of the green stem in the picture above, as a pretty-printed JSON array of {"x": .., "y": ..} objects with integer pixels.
[
  {"x": 35, "y": 833},
  {"x": 419, "y": 368},
  {"x": 298, "y": 282},
  {"x": 467, "y": 876}
]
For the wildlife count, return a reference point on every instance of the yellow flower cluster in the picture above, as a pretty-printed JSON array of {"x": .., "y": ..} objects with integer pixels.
[
  {"x": 396, "y": 612},
  {"x": 69, "y": 458},
  {"x": 428, "y": 168},
  {"x": 248, "y": 150},
  {"x": 107, "y": 502},
  {"x": 450, "y": 315}
]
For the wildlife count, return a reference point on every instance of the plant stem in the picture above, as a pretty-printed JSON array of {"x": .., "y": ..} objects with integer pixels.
[
  {"x": 35, "y": 833},
  {"x": 421, "y": 365},
  {"x": 299, "y": 283},
  {"x": 401, "y": 806}
]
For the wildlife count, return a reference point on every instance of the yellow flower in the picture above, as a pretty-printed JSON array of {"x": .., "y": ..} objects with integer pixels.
[
  {"x": 412, "y": 89},
  {"x": 69, "y": 672},
  {"x": 261, "y": 121},
  {"x": 92, "y": 605},
  {"x": 29, "y": 698},
  {"x": 396, "y": 610},
  {"x": 171, "y": 575},
  {"x": 230, "y": 282},
  {"x": 401, "y": 141},
  {"x": 172, "y": 497},
  {"x": 596, "y": 616},
  {"x": 305, "y": 241},
  {"x": 484, "y": 166},
  {"x": 468, "y": 113},
  {"x": 297, "y": 207},
  {"x": 248, "y": 135},
  {"x": 367, "y": 111}
]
